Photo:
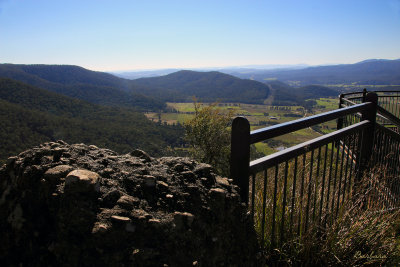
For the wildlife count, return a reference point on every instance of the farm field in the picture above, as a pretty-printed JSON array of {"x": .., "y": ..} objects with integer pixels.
[{"x": 259, "y": 116}]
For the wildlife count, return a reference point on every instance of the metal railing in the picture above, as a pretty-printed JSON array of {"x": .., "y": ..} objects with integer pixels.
[
  {"x": 388, "y": 107},
  {"x": 385, "y": 157},
  {"x": 303, "y": 186}
]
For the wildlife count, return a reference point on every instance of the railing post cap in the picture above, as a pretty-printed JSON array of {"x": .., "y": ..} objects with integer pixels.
[
  {"x": 371, "y": 97},
  {"x": 240, "y": 121}
]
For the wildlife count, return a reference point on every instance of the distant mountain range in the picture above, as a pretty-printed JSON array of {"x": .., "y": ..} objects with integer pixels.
[
  {"x": 135, "y": 74},
  {"x": 143, "y": 73},
  {"x": 368, "y": 72}
]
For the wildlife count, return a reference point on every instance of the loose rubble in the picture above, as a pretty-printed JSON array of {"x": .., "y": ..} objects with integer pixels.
[{"x": 70, "y": 205}]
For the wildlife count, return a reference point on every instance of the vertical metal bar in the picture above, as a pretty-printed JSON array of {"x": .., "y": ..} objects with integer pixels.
[
  {"x": 357, "y": 155},
  {"x": 396, "y": 158},
  {"x": 380, "y": 147},
  {"x": 385, "y": 164},
  {"x": 384, "y": 150},
  {"x": 341, "y": 175},
  {"x": 274, "y": 207},
  {"x": 393, "y": 155},
  {"x": 396, "y": 174},
  {"x": 397, "y": 166},
  {"x": 386, "y": 167},
  {"x": 387, "y": 101},
  {"x": 263, "y": 209},
  {"x": 284, "y": 203},
  {"x": 347, "y": 165},
  {"x": 391, "y": 170},
  {"x": 383, "y": 159},
  {"x": 316, "y": 183},
  {"x": 253, "y": 193},
  {"x": 323, "y": 184},
  {"x": 358, "y": 175},
  {"x": 293, "y": 194},
  {"x": 394, "y": 95},
  {"x": 301, "y": 193},
  {"x": 309, "y": 190},
  {"x": 329, "y": 179},
  {"x": 352, "y": 162},
  {"x": 335, "y": 179},
  {"x": 377, "y": 147},
  {"x": 391, "y": 104},
  {"x": 389, "y": 157},
  {"x": 384, "y": 103}
]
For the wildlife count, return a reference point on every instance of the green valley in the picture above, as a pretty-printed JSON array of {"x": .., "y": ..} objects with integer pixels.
[{"x": 258, "y": 116}]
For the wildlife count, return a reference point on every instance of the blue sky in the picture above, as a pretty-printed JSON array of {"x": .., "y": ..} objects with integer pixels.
[{"x": 151, "y": 34}]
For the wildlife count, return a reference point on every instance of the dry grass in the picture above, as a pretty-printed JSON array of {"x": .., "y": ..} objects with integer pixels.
[{"x": 364, "y": 232}]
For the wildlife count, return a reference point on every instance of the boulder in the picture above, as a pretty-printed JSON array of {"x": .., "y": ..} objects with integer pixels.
[
  {"x": 79, "y": 205},
  {"x": 82, "y": 181}
]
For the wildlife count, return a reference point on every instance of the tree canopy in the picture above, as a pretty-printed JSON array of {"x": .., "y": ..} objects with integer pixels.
[{"x": 208, "y": 136}]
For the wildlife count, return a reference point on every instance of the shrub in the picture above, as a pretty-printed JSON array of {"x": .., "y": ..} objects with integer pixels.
[{"x": 209, "y": 136}]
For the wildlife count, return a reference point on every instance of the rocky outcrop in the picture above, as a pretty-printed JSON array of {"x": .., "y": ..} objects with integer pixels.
[{"x": 70, "y": 205}]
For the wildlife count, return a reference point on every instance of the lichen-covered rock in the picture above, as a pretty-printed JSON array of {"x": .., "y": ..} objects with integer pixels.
[
  {"x": 82, "y": 181},
  {"x": 79, "y": 205}
]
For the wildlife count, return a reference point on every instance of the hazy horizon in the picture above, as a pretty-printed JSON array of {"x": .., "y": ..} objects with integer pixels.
[
  {"x": 250, "y": 67},
  {"x": 259, "y": 66}
]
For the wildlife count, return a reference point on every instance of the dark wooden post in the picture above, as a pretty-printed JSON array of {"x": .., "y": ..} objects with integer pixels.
[
  {"x": 339, "y": 124},
  {"x": 368, "y": 134},
  {"x": 240, "y": 156},
  {"x": 364, "y": 94}
]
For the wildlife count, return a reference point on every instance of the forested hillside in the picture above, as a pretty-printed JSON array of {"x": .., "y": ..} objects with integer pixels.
[
  {"x": 283, "y": 94},
  {"x": 144, "y": 94},
  {"x": 211, "y": 86},
  {"x": 92, "y": 86},
  {"x": 29, "y": 116}
]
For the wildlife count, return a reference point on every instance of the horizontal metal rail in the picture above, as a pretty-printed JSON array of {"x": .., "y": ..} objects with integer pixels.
[
  {"x": 354, "y": 98},
  {"x": 389, "y": 116},
  {"x": 388, "y": 132},
  {"x": 352, "y": 93},
  {"x": 292, "y": 126},
  {"x": 286, "y": 154},
  {"x": 348, "y": 101}
]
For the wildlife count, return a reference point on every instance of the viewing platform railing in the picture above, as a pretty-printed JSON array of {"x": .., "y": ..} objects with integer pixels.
[{"x": 292, "y": 190}]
